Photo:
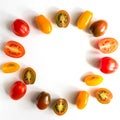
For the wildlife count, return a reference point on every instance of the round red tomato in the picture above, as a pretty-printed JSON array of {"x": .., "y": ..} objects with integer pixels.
[
  {"x": 108, "y": 65},
  {"x": 17, "y": 90},
  {"x": 20, "y": 27},
  {"x": 14, "y": 49}
]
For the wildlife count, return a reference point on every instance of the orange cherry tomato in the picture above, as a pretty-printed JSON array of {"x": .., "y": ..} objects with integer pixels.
[
  {"x": 62, "y": 18},
  {"x": 10, "y": 67},
  {"x": 60, "y": 106},
  {"x": 14, "y": 49},
  {"x": 103, "y": 95},
  {"x": 82, "y": 99},
  {"x": 43, "y": 24},
  {"x": 107, "y": 45},
  {"x": 29, "y": 75}
]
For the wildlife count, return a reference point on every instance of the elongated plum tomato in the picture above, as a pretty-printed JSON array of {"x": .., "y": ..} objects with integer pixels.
[
  {"x": 107, "y": 45},
  {"x": 14, "y": 49},
  {"x": 43, "y": 100},
  {"x": 103, "y": 95},
  {"x": 108, "y": 65},
  {"x": 10, "y": 67},
  {"x": 98, "y": 28},
  {"x": 62, "y": 18},
  {"x": 43, "y": 24},
  {"x": 60, "y": 106},
  {"x": 17, "y": 90},
  {"x": 20, "y": 27},
  {"x": 82, "y": 99},
  {"x": 29, "y": 75}
]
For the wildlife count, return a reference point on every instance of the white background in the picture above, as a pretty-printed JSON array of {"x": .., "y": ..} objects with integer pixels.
[{"x": 60, "y": 59}]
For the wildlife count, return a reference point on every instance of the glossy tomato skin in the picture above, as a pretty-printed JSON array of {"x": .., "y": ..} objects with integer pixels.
[
  {"x": 17, "y": 90},
  {"x": 103, "y": 95},
  {"x": 14, "y": 49},
  {"x": 43, "y": 100},
  {"x": 108, "y": 65},
  {"x": 20, "y": 27}
]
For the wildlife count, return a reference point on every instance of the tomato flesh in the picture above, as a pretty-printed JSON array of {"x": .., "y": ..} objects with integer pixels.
[
  {"x": 14, "y": 49},
  {"x": 17, "y": 90}
]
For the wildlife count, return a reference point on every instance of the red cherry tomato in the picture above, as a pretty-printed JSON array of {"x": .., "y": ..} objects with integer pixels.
[
  {"x": 14, "y": 49},
  {"x": 17, "y": 90},
  {"x": 20, "y": 28},
  {"x": 108, "y": 65}
]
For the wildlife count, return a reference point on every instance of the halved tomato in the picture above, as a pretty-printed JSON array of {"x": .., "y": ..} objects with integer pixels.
[
  {"x": 14, "y": 49},
  {"x": 107, "y": 45}
]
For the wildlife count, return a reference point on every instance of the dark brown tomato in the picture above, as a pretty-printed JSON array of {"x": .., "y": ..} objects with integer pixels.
[
  {"x": 29, "y": 75},
  {"x": 60, "y": 106},
  {"x": 43, "y": 100},
  {"x": 98, "y": 28}
]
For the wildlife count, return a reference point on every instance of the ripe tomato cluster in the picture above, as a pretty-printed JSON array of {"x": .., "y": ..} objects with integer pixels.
[{"x": 16, "y": 50}]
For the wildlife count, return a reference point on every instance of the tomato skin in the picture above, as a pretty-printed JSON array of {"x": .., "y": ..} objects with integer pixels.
[
  {"x": 93, "y": 80},
  {"x": 107, "y": 45},
  {"x": 60, "y": 106},
  {"x": 62, "y": 18},
  {"x": 20, "y": 27},
  {"x": 10, "y": 67},
  {"x": 82, "y": 99},
  {"x": 43, "y": 100},
  {"x": 17, "y": 90},
  {"x": 98, "y": 28},
  {"x": 43, "y": 24},
  {"x": 14, "y": 49},
  {"x": 108, "y": 65},
  {"x": 103, "y": 95},
  {"x": 29, "y": 75},
  {"x": 84, "y": 20}
]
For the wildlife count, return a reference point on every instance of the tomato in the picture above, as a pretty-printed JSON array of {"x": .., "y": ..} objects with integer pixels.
[
  {"x": 93, "y": 80},
  {"x": 108, "y": 65},
  {"x": 60, "y": 106},
  {"x": 82, "y": 99},
  {"x": 62, "y": 18},
  {"x": 43, "y": 24},
  {"x": 29, "y": 75},
  {"x": 98, "y": 28},
  {"x": 20, "y": 27},
  {"x": 107, "y": 45},
  {"x": 43, "y": 100},
  {"x": 10, "y": 67},
  {"x": 103, "y": 95},
  {"x": 14, "y": 49},
  {"x": 17, "y": 90},
  {"x": 84, "y": 20}
]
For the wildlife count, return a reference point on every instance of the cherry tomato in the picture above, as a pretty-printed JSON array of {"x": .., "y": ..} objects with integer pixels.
[
  {"x": 107, "y": 45},
  {"x": 20, "y": 28},
  {"x": 28, "y": 75},
  {"x": 43, "y": 100},
  {"x": 98, "y": 28},
  {"x": 14, "y": 49},
  {"x": 60, "y": 106},
  {"x": 93, "y": 80},
  {"x": 108, "y": 65},
  {"x": 84, "y": 20},
  {"x": 10, "y": 67},
  {"x": 62, "y": 18},
  {"x": 103, "y": 95},
  {"x": 17, "y": 90},
  {"x": 82, "y": 99},
  {"x": 43, "y": 24}
]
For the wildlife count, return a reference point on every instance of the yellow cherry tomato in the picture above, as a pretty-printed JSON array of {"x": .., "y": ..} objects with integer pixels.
[
  {"x": 93, "y": 80},
  {"x": 43, "y": 24},
  {"x": 84, "y": 20},
  {"x": 82, "y": 99},
  {"x": 10, "y": 67}
]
